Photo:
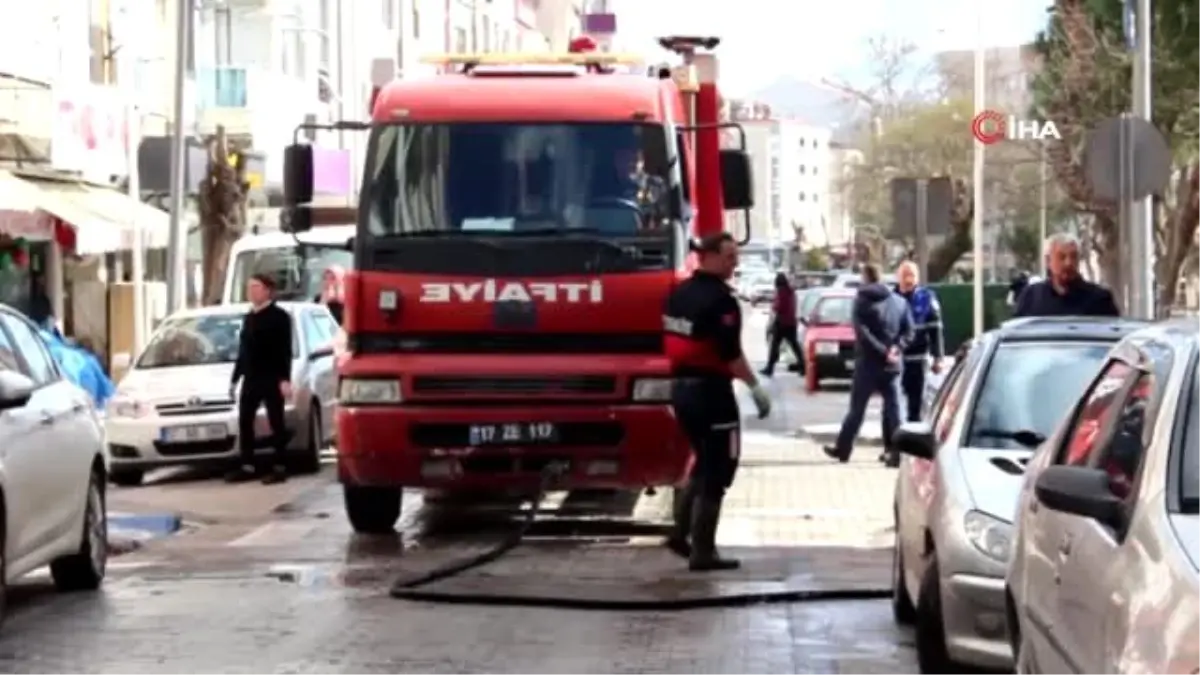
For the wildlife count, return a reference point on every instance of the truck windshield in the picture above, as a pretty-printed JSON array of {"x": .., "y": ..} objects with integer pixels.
[{"x": 500, "y": 180}]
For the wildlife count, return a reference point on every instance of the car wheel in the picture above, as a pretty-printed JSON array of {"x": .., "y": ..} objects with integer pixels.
[
  {"x": 932, "y": 656},
  {"x": 310, "y": 459},
  {"x": 372, "y": 510},
  {"x": 903, "y": 609},
  {"x": 127, "y": 477},
  {"x": 84, "y": 569},
  {"x": 3, "y": 564}
]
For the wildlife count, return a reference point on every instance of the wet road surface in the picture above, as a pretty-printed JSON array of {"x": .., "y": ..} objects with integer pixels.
[{"x": 270, "y": 579}]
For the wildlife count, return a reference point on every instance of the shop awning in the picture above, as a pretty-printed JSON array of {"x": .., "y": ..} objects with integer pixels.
[{"x": 103, "y": 219}]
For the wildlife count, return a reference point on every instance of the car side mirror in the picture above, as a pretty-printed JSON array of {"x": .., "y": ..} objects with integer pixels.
[
  {"x": 736, "y": 185},
  {"x": 1080, "y": 491},
  {"x": 320, "y": 353},
  {"x": 915, "y": 439},
  {"x": 15, "y": 389}
]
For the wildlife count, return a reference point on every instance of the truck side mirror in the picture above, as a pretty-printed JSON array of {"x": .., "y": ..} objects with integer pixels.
[
  {"x": 736, "y": 185},
  {"x": 295, "y": 219},
  {"x": 297, "y": 174}
]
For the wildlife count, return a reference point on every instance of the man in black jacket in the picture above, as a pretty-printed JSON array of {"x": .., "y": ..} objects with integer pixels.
[
  {"x": 1065, "y": 293},
  {"x": 264, "y": 366},
  {"x": 883, "y": 329}
]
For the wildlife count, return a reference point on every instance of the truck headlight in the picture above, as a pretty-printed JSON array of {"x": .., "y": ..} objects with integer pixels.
[
  {"x": 652, "y": 389},
  {"x": 124, "y": 405},
  {"x": 353, "y": 391},
  {"x": 989, "y": 534}
]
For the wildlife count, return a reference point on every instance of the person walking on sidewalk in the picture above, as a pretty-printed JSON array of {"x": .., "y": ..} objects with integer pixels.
[
  {"x": 264, "y": 367},
  {"x": 883, "y": 329},
  {"x": 702, "y": 322},
  {"x": 783, "y": 323},
  {"x": 927, "y": 346}
]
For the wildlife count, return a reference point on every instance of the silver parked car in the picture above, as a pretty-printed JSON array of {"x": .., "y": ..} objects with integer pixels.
[
  {"x": 173, "y": 406},
  {"x": 961, "y": 473},
  {"x": 1104, "y": 577}
]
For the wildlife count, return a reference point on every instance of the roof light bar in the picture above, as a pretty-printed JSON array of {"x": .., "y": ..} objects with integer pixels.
[{"x": 519, "y": 59}]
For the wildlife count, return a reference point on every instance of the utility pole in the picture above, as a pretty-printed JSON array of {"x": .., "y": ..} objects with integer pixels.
[
  {"x": 922, "y": 233},
  {"x": 981, "y": 11},
  {"x": 1042, "y": 235},
  {"x": 1141, "y": 211},
  {"x": 177, "y": 236}
]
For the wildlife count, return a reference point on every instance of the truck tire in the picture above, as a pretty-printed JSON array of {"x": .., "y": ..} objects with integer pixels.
[{"x": 371, "y": 509}]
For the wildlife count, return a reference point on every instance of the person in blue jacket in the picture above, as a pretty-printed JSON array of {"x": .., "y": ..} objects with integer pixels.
[
  {"x": 80, "y": 367},
  {"x": 927, "y": 346}
]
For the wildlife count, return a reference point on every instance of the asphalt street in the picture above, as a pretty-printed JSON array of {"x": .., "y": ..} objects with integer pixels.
[{"x": 270, "y": 578}]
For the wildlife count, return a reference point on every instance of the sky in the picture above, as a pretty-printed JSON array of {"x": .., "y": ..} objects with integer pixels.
[{"x": 766, "y": 39}]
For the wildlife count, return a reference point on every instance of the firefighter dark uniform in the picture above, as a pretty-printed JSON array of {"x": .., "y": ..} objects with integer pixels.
[
  {"x": 702, "y": 324},
  {"x": 928, "y": 341}
]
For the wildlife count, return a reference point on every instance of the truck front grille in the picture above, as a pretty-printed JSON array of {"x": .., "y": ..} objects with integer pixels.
[{"x": 517, "y": 385}]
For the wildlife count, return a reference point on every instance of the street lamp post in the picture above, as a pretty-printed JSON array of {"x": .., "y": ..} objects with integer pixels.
[
  {"x": 177, "y": 237},
  {"x": 977, "y": 171}
]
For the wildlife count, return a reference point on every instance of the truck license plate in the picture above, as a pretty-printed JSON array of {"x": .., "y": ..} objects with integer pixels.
[
  {"x": 194, "y": 433},
  {"x": 512, "y": 433}
]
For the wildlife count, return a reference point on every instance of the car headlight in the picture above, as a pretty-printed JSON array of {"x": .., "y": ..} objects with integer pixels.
[
  {"x": 124, "y": 405},
  {"x": 989, "y": 534},
  {"x": 827, "y": 348},
  {"x": 353, "y": 391},
  {"x": 652, "y": 389}
]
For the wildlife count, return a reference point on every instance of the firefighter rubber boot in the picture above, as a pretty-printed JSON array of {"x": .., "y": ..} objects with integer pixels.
[
  {"x": 706, "y": 513},
  {"x": 678, "y": 542}
]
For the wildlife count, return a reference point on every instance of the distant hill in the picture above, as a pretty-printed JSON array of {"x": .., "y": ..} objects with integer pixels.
[{"x": 811, "y": 102}]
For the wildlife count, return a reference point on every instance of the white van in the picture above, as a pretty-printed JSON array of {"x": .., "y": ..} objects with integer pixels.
[{"x": 296, "y": 261}]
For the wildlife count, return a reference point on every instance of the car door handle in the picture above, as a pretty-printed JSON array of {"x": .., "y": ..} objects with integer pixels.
[
  {"x": 78, "y": 408},
  {"x": 1034, "y": 505},
  {"x": 46, "y": 419},
  {"x": 1064, "y": 547}
]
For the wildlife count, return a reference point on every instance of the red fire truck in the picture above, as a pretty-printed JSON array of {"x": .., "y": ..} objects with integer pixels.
[{"x": 521, "y": 220}]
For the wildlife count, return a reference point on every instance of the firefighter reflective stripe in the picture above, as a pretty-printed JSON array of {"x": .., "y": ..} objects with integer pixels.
[
  {"x": 915, "y": 357},
  {"x": 928, "y": 326},
  {"x": 689, "y": 354}
]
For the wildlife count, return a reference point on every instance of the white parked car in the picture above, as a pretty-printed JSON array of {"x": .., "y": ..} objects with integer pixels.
[
  {"x": 959, "y": 479},
  {"x": 52, "y": 472},
  {"x": 1103, "y": 577},
  {"x": 173, "y": 407}
]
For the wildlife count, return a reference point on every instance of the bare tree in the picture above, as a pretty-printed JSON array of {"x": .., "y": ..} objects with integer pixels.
[{"x": 222, "y": 211}]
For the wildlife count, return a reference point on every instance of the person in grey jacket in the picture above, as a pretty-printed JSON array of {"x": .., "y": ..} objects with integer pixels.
[{"x": 883, "y": 329}]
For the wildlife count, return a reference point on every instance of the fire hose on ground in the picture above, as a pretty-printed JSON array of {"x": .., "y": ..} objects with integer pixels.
[{"x": 416, "y": 588}]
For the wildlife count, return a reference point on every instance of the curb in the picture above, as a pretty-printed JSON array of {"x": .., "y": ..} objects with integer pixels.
[{"x": 128, "y": 532}]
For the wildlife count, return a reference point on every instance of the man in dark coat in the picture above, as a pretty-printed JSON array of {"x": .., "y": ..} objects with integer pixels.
[
  {"x": 1065, "y": 292},
  {"x": 883, "y": 329}
]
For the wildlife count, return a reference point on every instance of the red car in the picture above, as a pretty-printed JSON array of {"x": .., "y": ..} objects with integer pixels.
[{"x": 829, "y": 338}]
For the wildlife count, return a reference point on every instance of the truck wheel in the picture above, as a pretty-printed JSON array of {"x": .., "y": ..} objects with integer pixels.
[{"x": 371, "y": 509}]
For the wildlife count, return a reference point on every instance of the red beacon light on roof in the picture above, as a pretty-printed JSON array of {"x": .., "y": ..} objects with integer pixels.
[{"x": 583, "y": 44}]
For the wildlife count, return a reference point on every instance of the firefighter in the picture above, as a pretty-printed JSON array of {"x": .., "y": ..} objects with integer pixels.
[
  {"x": 702, "y": 323},
  {"x": 927, "y": 346}
]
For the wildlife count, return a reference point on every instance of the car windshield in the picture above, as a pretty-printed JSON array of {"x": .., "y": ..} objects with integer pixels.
[
  {"x": 197, "y": 340},
  {"x": 1191, "y": 452},
  {"x": 296, "y": 269},
  {"x": 807, "y": 302},
  {"x": 608, "y": 180},
  {"x": 1028, "y": 387},
  {"x": 837, "y": 310}
]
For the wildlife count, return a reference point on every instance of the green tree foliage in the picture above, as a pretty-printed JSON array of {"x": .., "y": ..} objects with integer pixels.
[{"x": 1086, "y": 78}]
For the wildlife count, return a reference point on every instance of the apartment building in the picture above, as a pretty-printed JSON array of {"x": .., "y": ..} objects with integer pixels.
[{"x": 804, "y": 182}]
